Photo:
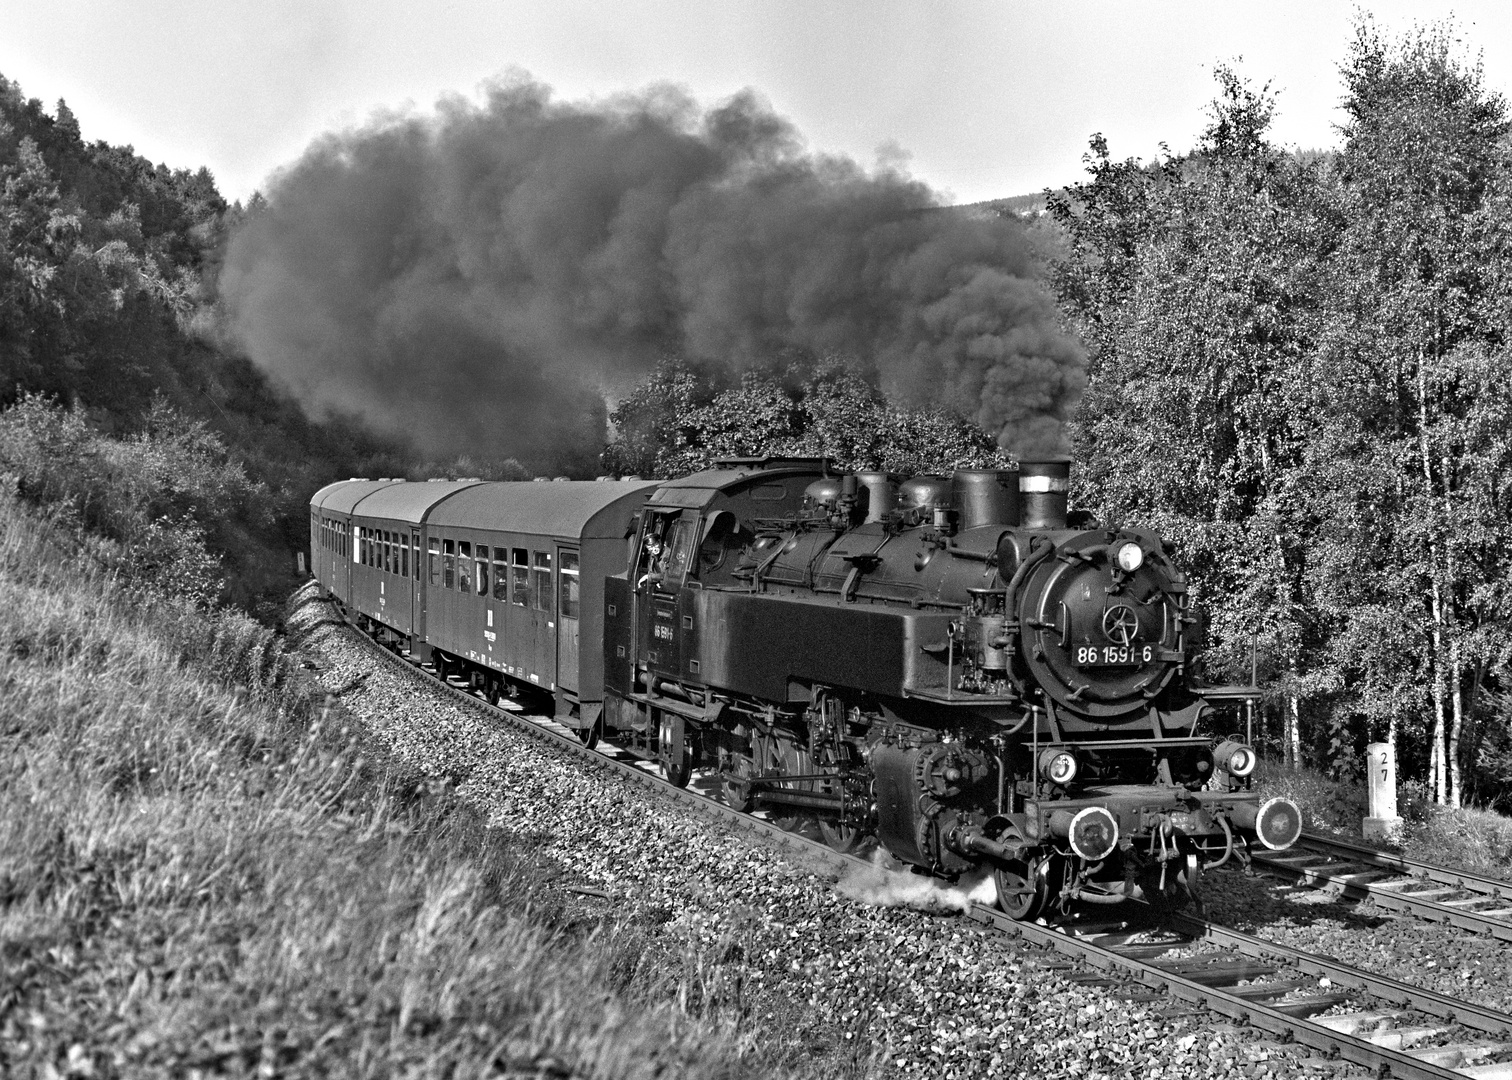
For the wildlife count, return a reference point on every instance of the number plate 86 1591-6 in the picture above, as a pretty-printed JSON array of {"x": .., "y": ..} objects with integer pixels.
[{"x": 1111, "y": 655}]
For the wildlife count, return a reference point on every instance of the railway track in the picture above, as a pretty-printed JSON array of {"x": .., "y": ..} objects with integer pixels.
[
  {"x": 1392, "y": 881},
  {"x": 1342, "y": 1012}
]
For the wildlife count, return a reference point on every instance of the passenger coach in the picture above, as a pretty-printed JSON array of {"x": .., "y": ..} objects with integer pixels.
[{"x": 495, "y": 583}]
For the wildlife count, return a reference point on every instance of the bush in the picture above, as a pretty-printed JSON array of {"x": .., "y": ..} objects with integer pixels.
[{"x": 158, "y": 506}]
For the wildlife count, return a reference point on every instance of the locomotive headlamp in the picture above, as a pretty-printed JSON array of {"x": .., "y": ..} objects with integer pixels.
[
  {"x": 1058, "y": 766},
  {"x": 1130, "y": 557},
  {"x": 1235, "y": 758}
]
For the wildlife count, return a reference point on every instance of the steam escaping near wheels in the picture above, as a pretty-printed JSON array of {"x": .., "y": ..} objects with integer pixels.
[{"x": 879, "y": 885}]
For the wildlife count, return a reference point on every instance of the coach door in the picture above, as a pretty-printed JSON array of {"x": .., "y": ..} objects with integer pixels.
[
  {"x": 497, "y": 607},
  {"x": 568, "y": 602},
  {"x": 543, "y": 596},
  {"x": 413, "y": 573}
]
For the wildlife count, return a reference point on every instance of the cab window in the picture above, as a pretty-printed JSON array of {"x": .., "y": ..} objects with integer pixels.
[
  {"x": 651, "y": 562},
  {"x": 679, "y": 547}
]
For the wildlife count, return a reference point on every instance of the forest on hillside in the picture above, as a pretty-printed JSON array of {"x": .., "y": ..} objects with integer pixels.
[{"x": 1297, "y": 370}]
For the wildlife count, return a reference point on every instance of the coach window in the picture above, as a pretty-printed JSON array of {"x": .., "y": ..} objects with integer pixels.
[
  {"x": 501, "y": 575},
  {"x": 543, "y": 580},
  {"x": 482, "y": 569},
  {"x": 435, "y": 561},
  {"x": 567, "y": 586},
  {"x": 388, "y": 552},
  {"x": 449, "y": 559},
  {"x": 464, "y": 566},
  {"x": 404, "y": 556},
  {"x": 519, "y": 577}
]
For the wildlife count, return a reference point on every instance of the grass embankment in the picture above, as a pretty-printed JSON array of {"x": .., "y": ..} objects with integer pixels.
[
  {"x": 1471, "y": 839},
  {"x": 202, "y": 870}
]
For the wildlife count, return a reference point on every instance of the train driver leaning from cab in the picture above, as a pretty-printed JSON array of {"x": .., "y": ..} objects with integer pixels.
[{"x": 653, "y": 554}]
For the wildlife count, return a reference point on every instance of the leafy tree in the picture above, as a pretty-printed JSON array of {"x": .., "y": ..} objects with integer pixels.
[
  {"x": 1424, "y": 145},
  {"x": 1197, "y": 283},
  {"x": 681, "y": 419}
]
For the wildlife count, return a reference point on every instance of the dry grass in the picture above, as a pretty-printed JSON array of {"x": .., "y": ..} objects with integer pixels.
[
  {"x": 1469, "y": 838},
  {"x": 202, "y": 871}
]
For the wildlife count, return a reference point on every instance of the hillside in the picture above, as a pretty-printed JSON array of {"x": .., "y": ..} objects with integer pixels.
[
  {"x": 207, "y": 869},
  {"x": 107, "y": 270}
]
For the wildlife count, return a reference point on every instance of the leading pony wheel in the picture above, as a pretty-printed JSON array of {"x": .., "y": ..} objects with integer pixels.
[{"x": 1023, "y": 889}]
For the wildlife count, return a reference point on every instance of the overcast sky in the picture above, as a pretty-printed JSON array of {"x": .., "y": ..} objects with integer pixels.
[{"x": 985, "y": 99}]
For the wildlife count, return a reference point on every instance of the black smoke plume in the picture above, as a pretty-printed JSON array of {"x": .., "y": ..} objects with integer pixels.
[{"x": 477, "y": 279}]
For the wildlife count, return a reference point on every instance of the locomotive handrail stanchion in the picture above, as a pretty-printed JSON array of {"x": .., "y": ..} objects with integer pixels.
[{"x": 950, "y": 662}]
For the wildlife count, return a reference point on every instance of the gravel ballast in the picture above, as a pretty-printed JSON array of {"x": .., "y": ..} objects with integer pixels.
[
  {"x": 1438, "y": 957},
  {"x": 883, "y": 990}
]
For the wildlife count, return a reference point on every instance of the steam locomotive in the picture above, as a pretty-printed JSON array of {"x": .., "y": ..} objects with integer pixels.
[{"x": 946, "y": 666}]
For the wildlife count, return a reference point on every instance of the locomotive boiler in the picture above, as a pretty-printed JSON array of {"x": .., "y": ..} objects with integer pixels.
[{"x": 947, "y": 665}]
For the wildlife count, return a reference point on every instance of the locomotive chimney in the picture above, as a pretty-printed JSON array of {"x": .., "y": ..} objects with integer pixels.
[
  {"x": 1043, "y": 485},
  {"x": 986, "y": 496}
]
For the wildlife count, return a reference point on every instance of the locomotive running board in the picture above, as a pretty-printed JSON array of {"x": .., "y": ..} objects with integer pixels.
[
  {"x": 947, "y": 697},
  {"x": 685, "y": 709}
]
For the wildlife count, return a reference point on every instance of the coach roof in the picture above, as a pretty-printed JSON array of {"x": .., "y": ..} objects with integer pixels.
[
  {"x": 409, "y": 502},
  {"x": 341, "y": 497},
  {"x": 578, "y": 509}
]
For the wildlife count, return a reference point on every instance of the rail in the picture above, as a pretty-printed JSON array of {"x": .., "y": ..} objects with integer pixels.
[{"x": 1396, "y": 882}]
